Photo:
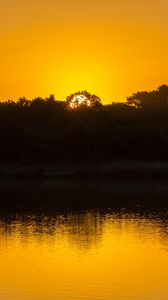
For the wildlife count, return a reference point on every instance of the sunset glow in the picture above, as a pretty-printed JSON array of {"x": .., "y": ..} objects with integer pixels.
[
  {"x": 78, "y": 100},
  {"x": 108, "y": 47},
  {"x": 84, "y": 149}
]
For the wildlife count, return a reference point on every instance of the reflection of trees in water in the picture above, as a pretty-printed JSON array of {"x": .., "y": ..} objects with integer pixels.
[
  {"x": 141, "y": 226},
  {"x": 82, "y": 229}
]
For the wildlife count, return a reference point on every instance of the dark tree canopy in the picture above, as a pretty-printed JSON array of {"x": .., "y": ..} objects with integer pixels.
[
  {"x": 149, "y": 99},
  {"x": 47, "y": 131}
]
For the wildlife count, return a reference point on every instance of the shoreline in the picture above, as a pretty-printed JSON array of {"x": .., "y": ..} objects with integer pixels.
[{"x": 116, "y": 170}]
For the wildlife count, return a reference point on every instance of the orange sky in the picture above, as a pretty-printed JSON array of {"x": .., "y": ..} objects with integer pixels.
[{"x": 110, "y": 48}]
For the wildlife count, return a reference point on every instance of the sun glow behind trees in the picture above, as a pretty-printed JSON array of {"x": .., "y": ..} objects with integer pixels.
[
  {"x": 79, "y": 100},
  {"x": 64, "y": 46},
  {"x": 83, "y": 99}
]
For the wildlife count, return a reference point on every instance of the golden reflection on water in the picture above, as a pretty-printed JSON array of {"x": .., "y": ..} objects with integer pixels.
[{"x": 86, "y": 255}]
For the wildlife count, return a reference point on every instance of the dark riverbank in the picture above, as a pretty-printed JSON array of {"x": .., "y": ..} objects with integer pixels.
[
  {"x": 116, "y": 170},
  {"x": 43, "y": 196}
]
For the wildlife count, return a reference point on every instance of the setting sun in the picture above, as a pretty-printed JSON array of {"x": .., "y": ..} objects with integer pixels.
[
  {"x": 83, "y": 99},
  {"x": 79, "y": 100}
]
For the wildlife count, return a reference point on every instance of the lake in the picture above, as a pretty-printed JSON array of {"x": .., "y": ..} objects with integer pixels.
[{"x": 86, "y": 251}]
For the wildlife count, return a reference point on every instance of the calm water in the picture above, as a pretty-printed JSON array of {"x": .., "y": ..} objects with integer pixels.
[{"x": 87, "y": 254}]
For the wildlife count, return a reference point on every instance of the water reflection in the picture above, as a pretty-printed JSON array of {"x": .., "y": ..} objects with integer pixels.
[
  {"x": 92, "y": 254},
  {"x": 83, "y": 228}
]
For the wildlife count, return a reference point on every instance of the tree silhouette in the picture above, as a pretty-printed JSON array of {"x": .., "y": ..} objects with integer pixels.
[
  {"x": 43, "y": 129},
  {"x": 150, "y": 99},
  {"x": 23, "y": 102}
]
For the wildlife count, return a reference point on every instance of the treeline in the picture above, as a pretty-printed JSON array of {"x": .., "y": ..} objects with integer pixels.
[{"x": 48, "y": 131}]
